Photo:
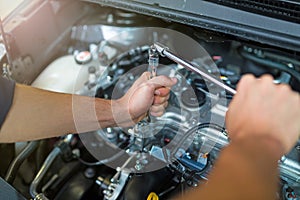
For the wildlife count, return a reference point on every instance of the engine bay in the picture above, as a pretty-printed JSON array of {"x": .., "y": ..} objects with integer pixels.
[{"x": 100, "y": 55}]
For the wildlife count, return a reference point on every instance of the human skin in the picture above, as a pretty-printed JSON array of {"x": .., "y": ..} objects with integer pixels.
[
  {"x": 263, "y": 122},
  {"x": 37, "y": 114}
]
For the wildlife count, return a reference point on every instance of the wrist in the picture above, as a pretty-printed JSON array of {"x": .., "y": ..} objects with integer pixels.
[
  {"x": 121, "y": 114},
  {"x": 264, "y": 143},
  {"x": 105, "y": 112}
]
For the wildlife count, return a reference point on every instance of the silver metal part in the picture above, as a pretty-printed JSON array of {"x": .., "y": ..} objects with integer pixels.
[
  {"x": 46, "y": 165},
  {"x": 164, "y": 51},
  {"x": 41, "y": 196},
  {"x": 118, "y": 181},
  {"x": 289, "y": 168},
  {"x": 153, "y": 64},
  {"x": 115, "y": 188},
  {"x": 153, "y": 60}
]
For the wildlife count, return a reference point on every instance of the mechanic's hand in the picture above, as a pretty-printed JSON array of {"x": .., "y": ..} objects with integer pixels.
[
  {"x": 261, "y": 108},
  {"x": 145, "y": 94}
]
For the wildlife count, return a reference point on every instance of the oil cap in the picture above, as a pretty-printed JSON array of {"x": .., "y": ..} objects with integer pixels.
[
  {"x": 193, "y": 98},
  {"x": 83, "y": 57}
]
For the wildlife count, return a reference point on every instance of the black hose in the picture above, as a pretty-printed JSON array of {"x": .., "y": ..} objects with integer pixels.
[
  {"x": 104, "y": 161},
  {"x": 269, "y": 63},
  {"x": 14, "y": 167}
]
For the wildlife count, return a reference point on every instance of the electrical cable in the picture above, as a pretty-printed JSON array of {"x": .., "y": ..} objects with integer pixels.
[
  {"x": 193, "y": 130},
  {"x": 269, "y": 63},
  {"x": 104, "y": 161},
  {"x": 191, "y": 175},
  {"x": 202, "y": 171}
]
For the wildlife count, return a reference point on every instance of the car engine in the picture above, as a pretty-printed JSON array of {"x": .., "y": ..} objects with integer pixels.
[{"x": 98, "y": 49}]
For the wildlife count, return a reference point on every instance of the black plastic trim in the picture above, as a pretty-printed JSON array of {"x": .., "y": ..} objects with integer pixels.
[{"x": 218, "y": 18}]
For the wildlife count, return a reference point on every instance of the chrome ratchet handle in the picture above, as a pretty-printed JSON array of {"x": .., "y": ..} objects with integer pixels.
[{"x": 165, "y": 52}]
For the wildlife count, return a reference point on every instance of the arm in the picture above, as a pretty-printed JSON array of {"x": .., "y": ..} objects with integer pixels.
[
  {"x": 39, "y": 114},
  {"x": 263, "y": 123},
  {"x": 245, "y": 170}
]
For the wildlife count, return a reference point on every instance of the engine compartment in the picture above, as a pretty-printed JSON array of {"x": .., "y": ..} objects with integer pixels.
[{"x": 103, "y": 50}]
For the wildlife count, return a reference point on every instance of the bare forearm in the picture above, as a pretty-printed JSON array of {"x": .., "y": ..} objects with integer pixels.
[
  {"x": 245, "y": 170},
  {"x": 39, "y": 114}
]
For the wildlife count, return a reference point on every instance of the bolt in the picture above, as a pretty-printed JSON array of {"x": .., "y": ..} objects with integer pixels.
[
  {"x": 89, "y": 173},
  {"x": 194, "y": 121},
  {"x": 138, "y": 166}
]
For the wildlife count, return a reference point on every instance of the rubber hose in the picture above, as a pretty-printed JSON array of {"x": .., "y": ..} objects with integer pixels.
[{"x": 269, "y": 63}]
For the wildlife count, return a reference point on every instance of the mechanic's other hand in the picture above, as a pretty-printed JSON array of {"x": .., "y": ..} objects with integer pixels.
[
  {"x": 261, "y": 108},
  {"x": 145, "y": 94}
]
